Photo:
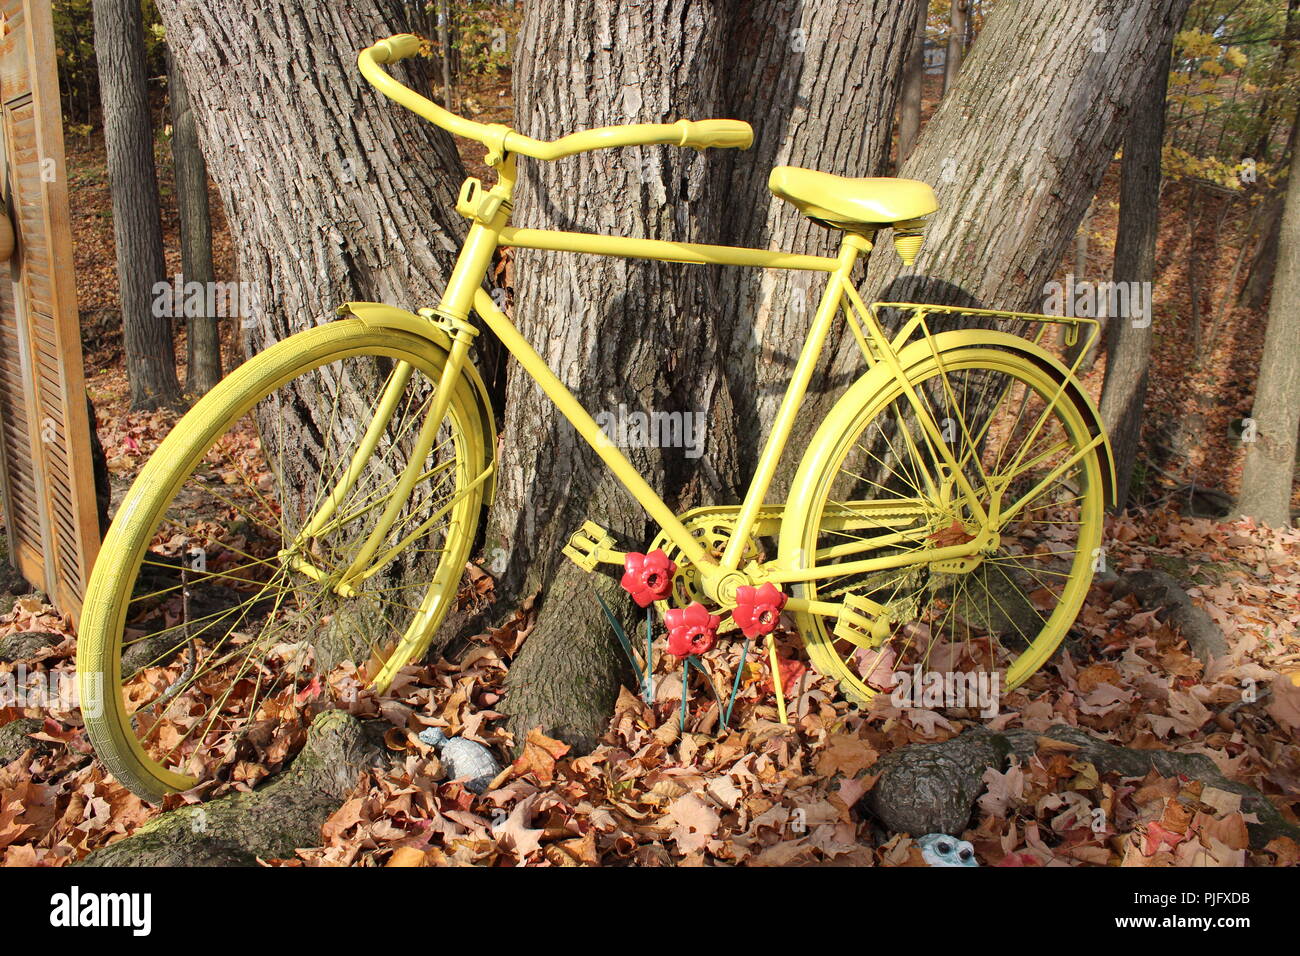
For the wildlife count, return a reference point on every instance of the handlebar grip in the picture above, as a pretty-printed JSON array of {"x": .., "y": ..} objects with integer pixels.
[
  {"x": 718, "y": 134},
  {"x": 396, "y": 48}
]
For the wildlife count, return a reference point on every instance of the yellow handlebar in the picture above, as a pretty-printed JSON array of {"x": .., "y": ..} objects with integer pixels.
[{"x": 717, "y": 133}]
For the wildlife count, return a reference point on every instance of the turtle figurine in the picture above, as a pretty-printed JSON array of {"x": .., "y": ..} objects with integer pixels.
[
  {"x": 463, "y": 759},
  {"x": 939, "y": 849}
]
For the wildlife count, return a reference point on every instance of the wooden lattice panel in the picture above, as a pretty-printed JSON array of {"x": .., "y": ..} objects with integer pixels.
[{"x": 47, "y": 490}]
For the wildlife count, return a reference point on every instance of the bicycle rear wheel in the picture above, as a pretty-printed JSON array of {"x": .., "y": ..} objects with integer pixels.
[
  {"x": 877, "y": 488},
  {"x": 227, "y": 588}
]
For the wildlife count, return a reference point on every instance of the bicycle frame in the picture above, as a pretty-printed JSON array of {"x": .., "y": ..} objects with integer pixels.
[{"x": 489, "y": 230}]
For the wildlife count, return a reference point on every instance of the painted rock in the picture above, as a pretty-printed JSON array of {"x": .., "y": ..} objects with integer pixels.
[{"x": 463, "y": 759}]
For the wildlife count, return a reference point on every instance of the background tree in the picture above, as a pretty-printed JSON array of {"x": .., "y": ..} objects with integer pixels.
[
  {"x": 1270, "y": 460},
  {"x": 1129, "y": 342},
  {"x": 203, "y": 338},
  {"x": 909, "y": 108},
  {"x": 137, "y": 229},
  {"x": 957, "y": 10}
]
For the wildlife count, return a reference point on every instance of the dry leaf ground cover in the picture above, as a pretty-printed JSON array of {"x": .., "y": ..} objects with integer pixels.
[{"x": 761, "y": 794}]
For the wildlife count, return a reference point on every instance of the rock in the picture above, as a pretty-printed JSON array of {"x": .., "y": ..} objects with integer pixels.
[
  {"x": 14, "y": 741},
  {"x": 1156, "y": 589},
  {"x": 463, "y": 759},
  {"x": 929, "y": 788}
]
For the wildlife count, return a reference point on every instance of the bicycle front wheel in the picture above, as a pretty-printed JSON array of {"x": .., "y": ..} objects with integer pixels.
[
  {"x": 250, "y": 557},
  {"x": 881, "y": 497}
]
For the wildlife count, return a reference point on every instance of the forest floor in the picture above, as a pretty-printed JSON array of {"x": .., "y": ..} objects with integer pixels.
[{"x": 757, "y": 792}]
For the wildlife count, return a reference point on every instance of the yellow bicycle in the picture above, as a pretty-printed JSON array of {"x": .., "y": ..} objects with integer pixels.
[{"x": 948, "y": 509}]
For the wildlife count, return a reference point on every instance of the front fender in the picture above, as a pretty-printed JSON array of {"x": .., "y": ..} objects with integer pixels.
[{"x": 388, "y": 316}]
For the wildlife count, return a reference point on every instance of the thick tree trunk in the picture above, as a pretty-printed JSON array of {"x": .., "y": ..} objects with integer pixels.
[
  {"x": 133, "y": 183},
  {"x": 333, "y": 193},
  {"x": 1267, "y": 478},
  {"x": 1015, "y": 165},
  {"x": 956, "y": 42},
  {"x": 818, "y": 81},
  {"x": 1129, "y": 340},
  {"x": 909, "y": 108},
  {"x": 203, "y": 339}
]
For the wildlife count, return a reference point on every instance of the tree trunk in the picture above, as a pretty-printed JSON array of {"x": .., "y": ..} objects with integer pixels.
[
  {"x": 819, "y": 83},
  {"x": 1012, "y": 189},
  {"x": 1267, "y": 477},
  {"x": 1264, "y": 264},
  {"x": 909, "y": 109},
  {"x": 133, "y": 184},
  {"x": 956, "y": 43},
  {"x": 203, "y": 336},
  {"x": 333, "y": 194},
  {"x": 1129, "y": 340}
]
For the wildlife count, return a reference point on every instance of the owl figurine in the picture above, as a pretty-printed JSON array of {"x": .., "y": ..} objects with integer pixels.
[{"x": 939, "y": 849}]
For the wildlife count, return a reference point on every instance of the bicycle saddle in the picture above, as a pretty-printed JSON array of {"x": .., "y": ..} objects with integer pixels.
[{"x": 851, "y": 204}]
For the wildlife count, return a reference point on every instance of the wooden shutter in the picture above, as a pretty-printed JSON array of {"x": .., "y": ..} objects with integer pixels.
[{"x": 47, "y": 489}]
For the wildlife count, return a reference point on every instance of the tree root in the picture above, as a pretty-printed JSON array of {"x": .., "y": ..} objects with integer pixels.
[
  {"x": 1156, "y": 589},
  {"x": 932, "y": 788},
  {"x": 268, "y": 823}
]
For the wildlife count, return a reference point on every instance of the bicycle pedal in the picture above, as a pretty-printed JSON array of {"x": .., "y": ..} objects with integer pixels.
[
  {"x": 859, "y": 622},
  {"x": 588, "y": 546}
]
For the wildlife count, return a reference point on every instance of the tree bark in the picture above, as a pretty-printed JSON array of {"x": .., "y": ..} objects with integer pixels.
[
  {"x": 819, "y": 83},
  {"x": 334, "y": 194},
  {"x": 909, "y": 110},
  {"x": 133, "y": 184},
  {"x": 956, "y": 42},
  {"x": 1012, "y": 187},
  {"x": 203, "y": 338},
  {"x": 1129, "y": 342},
  {"x": 1268, "y": 475}
]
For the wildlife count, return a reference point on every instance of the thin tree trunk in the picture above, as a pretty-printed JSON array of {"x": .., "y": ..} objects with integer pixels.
[
  {"x": 1262, "y": 267},
  {"x": 956, "y": 43},
  {"x": 444, "y": 37},
  {"x": 1268, "y": 475},
  {"x": 133, "y": 184},
  {"x": 203, "y": 339},
  {"x": 1129, "y": 337},
  {"x": 909, "y": 109}
]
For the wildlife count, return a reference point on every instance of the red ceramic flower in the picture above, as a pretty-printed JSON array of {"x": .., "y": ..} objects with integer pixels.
[
  {"x": 758, "y": 609},
  {"x": 691, "y": 629},
  {"x": 648, "y": 577}
]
